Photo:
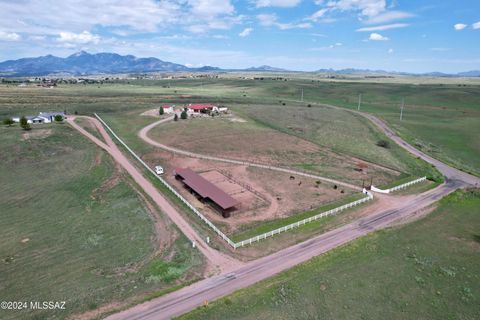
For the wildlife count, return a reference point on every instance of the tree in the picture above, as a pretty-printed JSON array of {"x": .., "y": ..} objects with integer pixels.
[
  {"x": 161, "y": 111},
  {"x": 58, "y": 118},
  {"x": 184, "y": 115},
  {"x": 24, "y": 123},
  {"x": 175, "y": 118},
  {"x": 8, "y": 122},
  {"x": 384, "y": 144}
]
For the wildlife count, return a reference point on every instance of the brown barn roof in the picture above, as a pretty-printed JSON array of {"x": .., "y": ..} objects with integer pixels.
[{"x": 205, "y": 188}]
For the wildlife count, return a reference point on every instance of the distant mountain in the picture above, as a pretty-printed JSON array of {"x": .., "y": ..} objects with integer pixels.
[
  {"x": 474, "y": 73},
  {"x": 83, "y": 63},
  {"x": 265, "y": 68}
]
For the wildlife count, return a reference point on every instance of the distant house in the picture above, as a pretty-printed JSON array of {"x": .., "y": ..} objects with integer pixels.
[
  {"x": 201, "y": 108},
  {"x": 43, "y": 117},
  {"x": 168, "y": 109}
]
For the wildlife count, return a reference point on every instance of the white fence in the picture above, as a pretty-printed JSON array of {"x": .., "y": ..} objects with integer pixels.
[
  {"x": 178, "y": 195},
  {"x": 402, "y": 186},
  {"x": 305, "y": 221},
  {"x": 214, "y": 228}
]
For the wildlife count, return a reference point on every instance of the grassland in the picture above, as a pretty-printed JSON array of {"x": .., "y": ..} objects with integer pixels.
[
  {"x": 424, "y": 270},
  {"x": 74, "y": 229},
  {"x": 439, "y": 118},
  {"x": 254, "y": 229}
]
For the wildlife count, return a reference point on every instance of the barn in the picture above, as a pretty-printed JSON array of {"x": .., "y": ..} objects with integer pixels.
[
  {"x": 168, "y": 109},
  {"x": 198, "y": 108},
  {"x": 207, "y": 191}
]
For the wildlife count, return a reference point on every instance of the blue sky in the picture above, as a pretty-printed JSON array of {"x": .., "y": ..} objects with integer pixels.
[{"x": 400, "y": 35}]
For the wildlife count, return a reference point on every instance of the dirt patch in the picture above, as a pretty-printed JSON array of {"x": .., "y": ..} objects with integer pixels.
[
  {"x": 108, "y": 184},
  {"x": 263, "y": 194},
  {"x": 151, "y": 113},
  {"x": 249, "y": 142},
  {"x": 36, "y": 134}
]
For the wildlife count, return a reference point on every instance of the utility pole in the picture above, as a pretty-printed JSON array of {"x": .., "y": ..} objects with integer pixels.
[
  {"x": 359, "y": 101},
  {"x": 401, "y": 109},
  {"x": 302, "y": 96}
]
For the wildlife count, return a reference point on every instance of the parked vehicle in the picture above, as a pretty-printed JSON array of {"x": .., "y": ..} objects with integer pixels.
[{"x": 159, "y": 170}]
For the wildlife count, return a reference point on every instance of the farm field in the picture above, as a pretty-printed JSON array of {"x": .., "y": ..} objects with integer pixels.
[
  {"x": 423, "y": 270},
  {"x": 327, "y": 142},
  {"x": 440, "y": 114},
  {"x": 76, "y": 229},
  {"x": 246, "y": 139}
]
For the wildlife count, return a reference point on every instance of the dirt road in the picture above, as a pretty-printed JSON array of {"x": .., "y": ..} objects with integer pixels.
[
  {"x": 216, "y": 260},
  {"x": 213, "y": 288},
  {"x": 190, "y": 297},
  {"x": 143, "y": 134}
]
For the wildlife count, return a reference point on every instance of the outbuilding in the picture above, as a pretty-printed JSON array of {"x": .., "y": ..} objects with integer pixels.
[
  {"x": 207, "y": 191},
  {"x": 168, "y": 109},
  {"x": 201, "y": 108}
]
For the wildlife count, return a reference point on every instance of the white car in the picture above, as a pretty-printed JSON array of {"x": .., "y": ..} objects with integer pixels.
[{"x": 159, "y": 170}]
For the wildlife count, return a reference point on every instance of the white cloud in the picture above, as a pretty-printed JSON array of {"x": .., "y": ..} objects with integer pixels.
[
  {"x": 332, "y": 46},
  {"x": 80, "y": 38},
  {"x": 276, "y": 3},
  {"x": 210, "y": 8},
  {"x": 476, "y": 25},
  {"x": 367, "y": 8},
  {"x": 383, "y": 27},
  {"x": 271, "y": 20},
  {"x": 440, "y": 49},
  {"x": 317, "y": 15},
  {"x": 9, "y": 36},
  {"x": 50, "y": 17},
  {"x": 388, "y": 16},
  {"x": 377, "y": 37},
  {"x": 390, "y": 51},
  {"x": 245, "y": 32},
  {"x": 369, "y": 11},
  {"x": 459, "y": 26}
]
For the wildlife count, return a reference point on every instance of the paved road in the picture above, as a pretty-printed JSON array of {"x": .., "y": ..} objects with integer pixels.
[
  {"x": 190, "y": 297},
  {"x": 143, "y": 134},
  {"x": 216, "y": 259}
]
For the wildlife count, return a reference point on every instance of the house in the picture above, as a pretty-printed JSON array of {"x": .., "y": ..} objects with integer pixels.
[
  {"x": 43, "y": 117},
  {"x": 168, "y": 109},
  {"x": 201, "y": 108},
  {"x": 50, "y": 116}
]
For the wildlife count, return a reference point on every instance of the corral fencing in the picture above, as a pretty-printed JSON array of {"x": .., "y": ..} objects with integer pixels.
[
  {"x": 211, "y": 225},
  {"x": 304, "y": 221},
  {"x": 178, "y": 195},
  {"x": 246, "y": 186},
  {"x": 399, "y": 187}
]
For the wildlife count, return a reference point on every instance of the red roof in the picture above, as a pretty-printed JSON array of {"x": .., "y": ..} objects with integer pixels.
[
  {"x": 206, "y": 189},
  {"x": 200, "y": 106},
  {"x": 167, "y": 106}
]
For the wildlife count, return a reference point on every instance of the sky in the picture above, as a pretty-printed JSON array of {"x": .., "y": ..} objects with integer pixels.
[{"x": 396, "y": 35}]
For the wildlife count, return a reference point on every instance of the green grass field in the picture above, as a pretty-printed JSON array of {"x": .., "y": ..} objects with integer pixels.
[
  {"x": 257, "y": 228},
  {"x": 424, "y": 270},
  {"x": 439, "y": 118},
  {"x": 74, "y": 230}
]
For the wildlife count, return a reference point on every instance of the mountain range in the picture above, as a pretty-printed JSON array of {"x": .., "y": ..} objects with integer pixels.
[{"x": 84, "y": 63}]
